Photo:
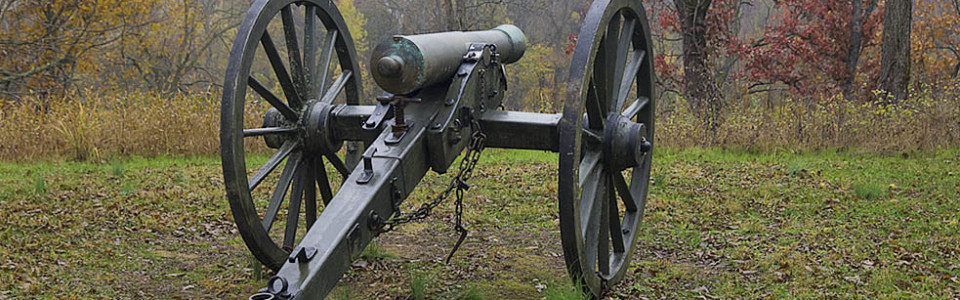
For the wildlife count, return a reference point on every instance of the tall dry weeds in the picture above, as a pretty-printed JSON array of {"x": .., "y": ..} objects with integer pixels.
[
  {"x": 928, "y": 120},
  {"x": 91, "y": 126}
]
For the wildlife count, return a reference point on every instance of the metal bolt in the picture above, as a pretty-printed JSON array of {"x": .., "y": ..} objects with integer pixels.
[
  {"x": 400, "y": 125},
  {"x": 262, "y": 296},
  {"x": 645, "y": 145},
  {"x": 277, "y": 285},
  {"x": 375, "y": 222}
]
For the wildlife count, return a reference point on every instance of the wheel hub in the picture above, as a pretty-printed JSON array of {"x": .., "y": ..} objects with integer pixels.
[
  {"x": 273, "y": 119},
  {"x": 313, "y": 129},
  {"x": 624, "y": 143},
  {"x": 317, "y": 134}
]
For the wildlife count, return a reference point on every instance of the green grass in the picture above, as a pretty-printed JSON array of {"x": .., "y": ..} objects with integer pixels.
[
  {"x": 342, "y": 294},
  {"x": 418, "y": 286},
  {"x": 471, "y": 293},
  {"x": 724, "y": 224},
  {"x": 116, "y": 167},
  {"x": 375, "y": 252},
  {"x": 39, "y": 185},
  {"x": 867, "y": 190},
  {"x": 563, "y": 290}
]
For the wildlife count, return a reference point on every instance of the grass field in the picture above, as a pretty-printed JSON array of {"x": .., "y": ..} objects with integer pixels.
[{"x": 719, "y": 224}]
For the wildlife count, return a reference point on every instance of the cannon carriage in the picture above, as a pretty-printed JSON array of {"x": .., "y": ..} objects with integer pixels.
[{"x": 444, "y": 95}]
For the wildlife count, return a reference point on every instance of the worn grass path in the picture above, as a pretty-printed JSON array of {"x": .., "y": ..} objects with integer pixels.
[{"x": 719, "y": 224}]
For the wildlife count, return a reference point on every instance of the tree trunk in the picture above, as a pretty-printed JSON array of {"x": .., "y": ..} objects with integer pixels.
[
  {"x": 450, "y": 16},
  {"x": 701, "y": 89},
  {"x": 855, "y": 44},
  {"x": 895, "y": 50}
]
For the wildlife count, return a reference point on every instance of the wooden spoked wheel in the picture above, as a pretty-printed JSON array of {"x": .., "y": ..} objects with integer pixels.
[
  {"x": 606, "y": 143},
  {"x": 298, "y": 59}
]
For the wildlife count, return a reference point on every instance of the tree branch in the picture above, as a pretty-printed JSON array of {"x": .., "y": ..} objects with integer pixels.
[{"x": 15, "y": 77}]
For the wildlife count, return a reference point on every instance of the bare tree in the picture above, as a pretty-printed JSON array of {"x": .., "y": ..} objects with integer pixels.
[
  {"x": 895, "y": 50},
  {"x": 860, "y": 14},
  {"x": 703, "y": 94}
]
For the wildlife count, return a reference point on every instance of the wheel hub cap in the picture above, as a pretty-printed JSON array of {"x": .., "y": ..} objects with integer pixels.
[
  {"x": 624, "y": 144},
  {"x": 317, "y": 134}
]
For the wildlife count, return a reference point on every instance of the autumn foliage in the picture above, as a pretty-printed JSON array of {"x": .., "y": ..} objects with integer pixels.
[
  {"x": 806, "y": 50},
  {"x": 936, "y": 41},
  {"x": 783, "y": 70}
]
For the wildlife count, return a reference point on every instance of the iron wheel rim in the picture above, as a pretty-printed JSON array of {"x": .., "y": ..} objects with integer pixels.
[
  {"x": 583, "y": 171},
  {"x": 304, "y": 92}
]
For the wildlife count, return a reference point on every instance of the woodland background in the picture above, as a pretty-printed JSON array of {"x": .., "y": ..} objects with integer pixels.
[{"x": 91, "y": 79}]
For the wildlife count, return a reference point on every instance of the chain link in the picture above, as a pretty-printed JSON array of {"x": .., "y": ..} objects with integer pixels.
[{"x": 457, "y": 184}]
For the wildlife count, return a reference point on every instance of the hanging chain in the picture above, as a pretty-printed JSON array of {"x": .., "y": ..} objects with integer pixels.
[{"x": 458, "y": 184}]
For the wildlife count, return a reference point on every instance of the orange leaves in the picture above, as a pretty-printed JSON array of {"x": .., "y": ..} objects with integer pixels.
[
  {"x": 52, "y": 42},
  {"x": 51, "y": 47},
  {"x": 936, "y": 40}
]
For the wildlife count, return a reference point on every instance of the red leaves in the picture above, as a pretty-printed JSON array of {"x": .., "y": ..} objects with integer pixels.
[
  {"x": 571, "y": 45},
  {"x": 805, "y": 47}
]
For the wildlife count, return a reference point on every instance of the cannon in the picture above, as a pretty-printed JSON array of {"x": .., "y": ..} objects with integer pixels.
[{"x": 292, "y": 112}]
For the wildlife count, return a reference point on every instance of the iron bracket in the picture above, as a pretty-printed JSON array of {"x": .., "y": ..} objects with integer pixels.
[
  {"x": 302, "y": 254},
  {"x": 380, "y": 113},
  {"x": 367, "y": 174}
]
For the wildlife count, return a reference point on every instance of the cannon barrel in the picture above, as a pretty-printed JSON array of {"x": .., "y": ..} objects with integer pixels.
[{"x": 407, "y": 63}]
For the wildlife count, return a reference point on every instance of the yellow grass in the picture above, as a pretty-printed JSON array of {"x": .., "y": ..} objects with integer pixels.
[
  {"x": 91, "y": 126},
  {"x": 926, "y": 121}
]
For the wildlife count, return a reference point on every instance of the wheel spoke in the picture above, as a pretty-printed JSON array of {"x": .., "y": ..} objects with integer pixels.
[
  {"x": 323, "y": 69},
  {"x": 591, "y": 202},
  {"x": 590, "y": 249},
  {"x": 309, "y": 48},
  {"x": 587, "y": 166},
  {"x": 293, "y": 208},
  {"x": 267, "y": 131},
  {"x": 592, "y": 136},
  {"x": 337, "y": 87},
  {"x": 338, "y": 164},
  {"x": 624, "y": 43},
  {"x": 323, "y": 181},
  {"x": 310, "y": 193},
  {"x": 293, "y": 48},
  {"x": 613, "y": 214},
  {"x": 603, "y": 241},
  {"x": 281, "y": 190},
  {"x": 595, "y": 114},
  {"x": 590, "y": 218},
  {"x": 266, "y": 94},
  {"x": 271, "y": 164},
  {"x": 289, "y": 89},
  {"x": 605, "y": 68},
  {"x": 641, "y": 181},
  {"x": 630, "y": 76},
  {"x": 621, "y": 184},
  {"x": 635, "y": 107}
]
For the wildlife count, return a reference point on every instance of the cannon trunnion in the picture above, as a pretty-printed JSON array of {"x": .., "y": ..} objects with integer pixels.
[{"x": 446, "y": 94}]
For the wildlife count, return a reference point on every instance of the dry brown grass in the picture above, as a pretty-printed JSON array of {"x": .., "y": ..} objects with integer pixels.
[
  {"x": 929, "y": 120},
  {"x": 91, "y": 126}
]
